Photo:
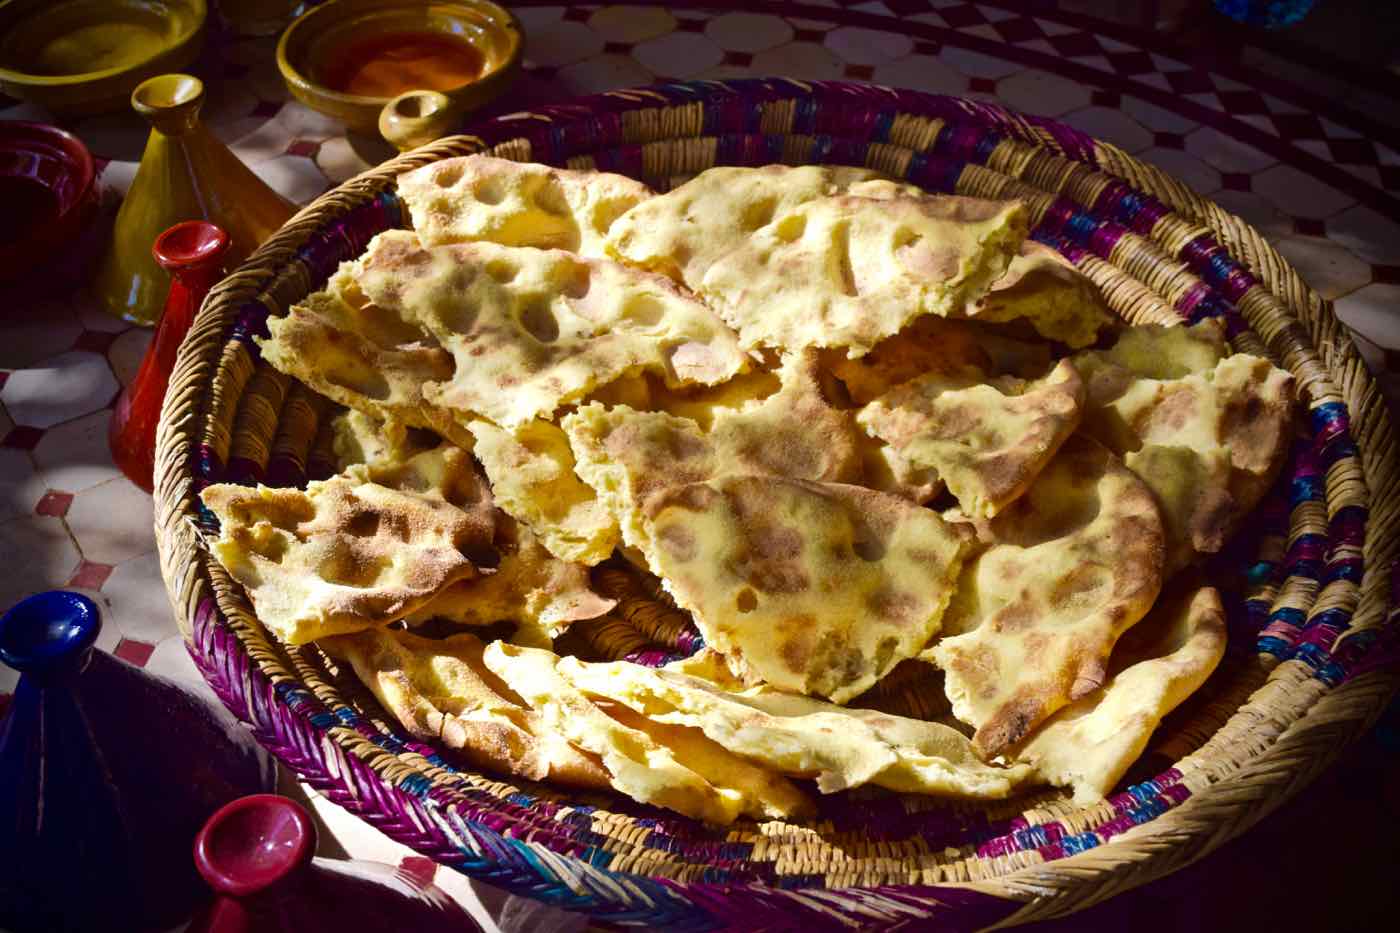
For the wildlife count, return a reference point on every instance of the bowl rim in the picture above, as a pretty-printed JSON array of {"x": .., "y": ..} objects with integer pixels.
[
  {"x": 25, "y": 79},
  {"x": 292, "y": 74},
  {"x": 76, "y": 155}
]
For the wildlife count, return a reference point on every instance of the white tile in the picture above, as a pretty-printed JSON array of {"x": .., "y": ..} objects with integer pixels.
[
  {"x": 823, "y": 25},
  {"x": 113, "y": 522},
  {"x": 1298, "y": 193},
  {"x": 59, "y": 389},
  {"x": 1327, "y": 267},
  {"x": 932, "y": 19},
  {"x": 227, "y": 102},
  {"x": 602, "y": 73},
  {"x": 537, "y": 17},
  {"x": 296, "y": 178},
  {"x": 632, "y": 23},
  {"x": 922, "y": 73},
  {"x": 140, "y": 608},
  {"x": 1111, "y": 126},
  {"x": 868, "y": 46},
  {"x": 48, "y": 557},
  {"x": 561, "y": 42},
  {"x": 1040, "y": 92},
  {"x": 35, "y": 330},
  {"x": 75, "y": 455},
  {"x": 679, "y": 54},
  {"x": 1373, "y": 312},
  {"x": 1366, "y": 233},
  {"x": 1255, "y": 211},
  {"x": 339, "y": 161},
  {"x": 127, "y": 351},
  {"x": 1184, "y": 167},
  {"x": 1156, "y": 118},
  {"x": 268, "y": 141},
  {"x": 801, "y": 60},
  {"x": 21, "y": 486},
  {"x": 1225, "y": 152},
  {"x": 874, "y": 8},
  {"x": 172, "y": 659},
  {"x": 88, "y": 309},
  {"x": 977, "y": 65},
  {"x": 1337, "y": 131},
  {"x": 1054, "y": 28},
  {"x": 297, "y": 121}
]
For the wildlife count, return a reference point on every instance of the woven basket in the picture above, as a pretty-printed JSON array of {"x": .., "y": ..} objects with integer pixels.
[{"x": 1311, "y": 643}]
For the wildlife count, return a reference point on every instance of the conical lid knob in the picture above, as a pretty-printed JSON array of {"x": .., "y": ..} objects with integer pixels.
[{"x": 49, "y": 634}]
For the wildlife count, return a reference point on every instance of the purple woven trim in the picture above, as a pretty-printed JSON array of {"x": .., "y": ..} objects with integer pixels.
[
  {"x": 1212, "y": 262},
  {"x": 347, "y": 236}
]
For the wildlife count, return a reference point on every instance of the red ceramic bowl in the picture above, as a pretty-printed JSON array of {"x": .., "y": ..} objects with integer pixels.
[{"x": 49, "y": 192}]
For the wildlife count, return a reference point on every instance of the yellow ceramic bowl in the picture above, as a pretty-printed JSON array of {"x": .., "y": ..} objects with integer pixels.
[
  {"x": 86, "y": 56},
  {"x": 323, "y": 50}
]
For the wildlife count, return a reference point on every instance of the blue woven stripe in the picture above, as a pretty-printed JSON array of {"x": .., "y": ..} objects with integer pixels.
[
  {"x": 1305, "y": 489},
  {"x": 1080, "y": 843},
  {"x": 1274, "y": 646}
]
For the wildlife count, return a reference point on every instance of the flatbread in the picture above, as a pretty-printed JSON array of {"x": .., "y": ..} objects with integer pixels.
[
  {"x": 361, "y": 438},
  {"x": 361, "y": 357},
  {"x": 542, "y": 594},
  {"x": 440, "y": 691},
  {"x": 928, "y": 345},
  {"x": 801, "y": 737},
  {"x": 816, "y": 588},
  {"x": 700, "y": 780},
  {"x": 850, "y": 271},
  {"x": 480, "y": 197},
  {"x": 531, "y": 470},
  {"x": 629, "y": 456},
  {"x": 530, "y": 330},
  {"x": 681, "y": 233},
  {"x": 358, "y": 550},
  {"x": 986, "y": 440},
  {"x": 1072, "y": 564},
  {"x": 1205, "y": 430},
  {"x": 1156, "y": 665},
  {"x": 1045, "y": 290}
]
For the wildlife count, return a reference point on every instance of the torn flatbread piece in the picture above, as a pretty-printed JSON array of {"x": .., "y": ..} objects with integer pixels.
[
  {"x": 1071, "y": 565},
  {"x": 481, "y": 197},
  {"x": 681, "y": 233},
  {"x": 530, "y": 330},
  {"x": 816, "y": 588},
  {"x": 798, "y": 736},
  {"x": 849, "y": 271},
  {"x": 440, "y": 690},
  {"x": 361, "y": 438},
  {"x": 1158, "y": 663},
  {"x": 700, "y": 780},
  {"x": 987, "y": 440},
  {"x": 531, "y": 470},
  {"x": 1206, "y": 431},
  {"x": 1045, "y": 290},
  {"x": 356, "y": 354},
  {"x": 928, "y": 345},
  {"x": 629, "y": 456},
  {"x": 351, "y": 552},
  {"x": 540, "y": 593}
]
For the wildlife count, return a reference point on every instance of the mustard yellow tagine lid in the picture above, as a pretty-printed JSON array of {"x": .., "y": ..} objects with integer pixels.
[{"x": 186, "y": 173}]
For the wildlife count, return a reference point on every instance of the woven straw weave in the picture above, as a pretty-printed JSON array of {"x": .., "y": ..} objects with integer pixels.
[{"x": 1312, "y": 646}]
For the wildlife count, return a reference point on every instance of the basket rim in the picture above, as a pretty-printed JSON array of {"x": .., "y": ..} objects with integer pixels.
[{"x": 1306, "y": 743}]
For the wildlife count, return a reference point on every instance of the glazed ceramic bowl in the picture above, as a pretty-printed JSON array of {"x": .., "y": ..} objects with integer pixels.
[
  {"x": 323, "y": 46},
  {"x": 48, "y": 187},
  {"x": 79, "y": 57}
]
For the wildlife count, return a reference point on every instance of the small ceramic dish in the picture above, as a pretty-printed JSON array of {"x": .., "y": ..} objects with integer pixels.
[
  {"x": 348, "y": 58},
  {"x": 48, "y": 186},
  {"x": 79, "y": 57}
]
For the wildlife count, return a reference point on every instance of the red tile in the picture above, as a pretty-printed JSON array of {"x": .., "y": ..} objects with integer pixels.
[
  {"x": 577, "y": 14},
  {"x": 54, "y": 503},
  {"x": 1189, "y": 81},
  {"x": 808, "y": 35},
  {"x": 303, "y": 147},
  {"x": 4, "y": 377},
  {"x": 95, "y": 341},
  {"x": 1076, "y": 45},
  {"x": 23, "y": 437},
  {"x": 1387, "y": 275},
  {"x": 420, "y": 869},
  {"x": 1242, "y": 103},
  {"x": 267, "y": 109},
  {"x": 1353, "y": 151},
  {"x": 1169, "y": 140},
  {"x": 1131, "y": 63},
  {"x": 1019, "y": 29},
  {"x": 982, "y": 85},
  {"x": 1235, "y": 181},
  {"x": 927, "y": 48},
  {"x": 133, "y": 651},
  {"x": 741, "y": 59},
  {"x": 690, "y": 25},
  {"x": 962, "y": 15},
  {"x": 1106, "y": 98},
  {"x": 1298, "y": 126},
  {"x": 860, "y": 72},
  {"x": 90, "y": 574}
]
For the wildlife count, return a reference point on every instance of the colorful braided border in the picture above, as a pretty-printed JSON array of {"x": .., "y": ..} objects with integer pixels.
[{"x": 846, "y": 124}]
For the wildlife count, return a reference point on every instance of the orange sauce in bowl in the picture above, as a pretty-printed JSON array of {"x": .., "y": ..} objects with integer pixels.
[{"x": 389, "y": 64}]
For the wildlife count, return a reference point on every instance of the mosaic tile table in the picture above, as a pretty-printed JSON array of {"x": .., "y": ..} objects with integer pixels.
[{"x": 1315, "y": 185}]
